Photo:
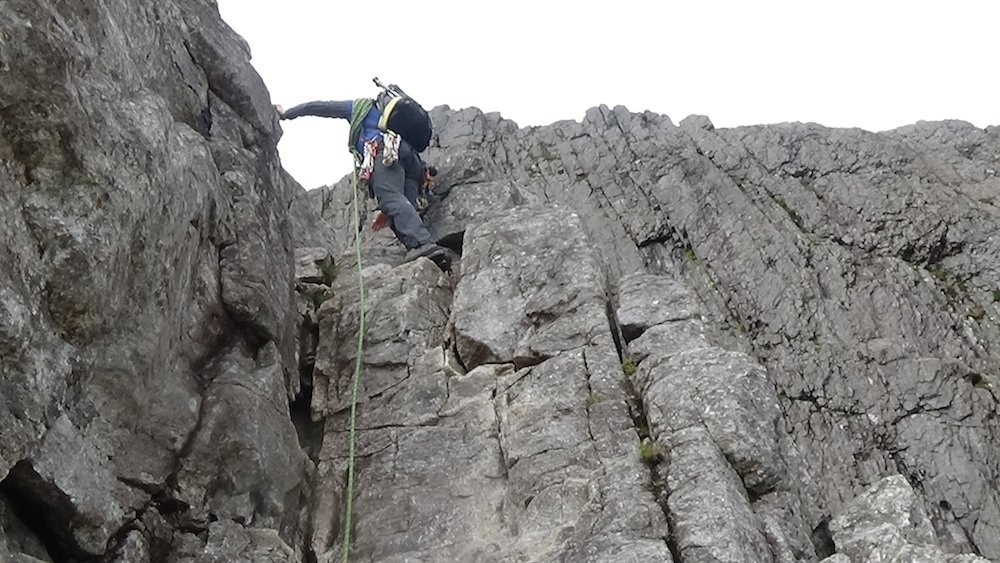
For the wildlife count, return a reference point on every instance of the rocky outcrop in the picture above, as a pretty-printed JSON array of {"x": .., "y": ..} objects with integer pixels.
[
  {"x": 661, "y": 342},
  {"x": 807, "y": 310},
  {"x": 147, "y": 324},
  {"x": 887, "y": 523}
]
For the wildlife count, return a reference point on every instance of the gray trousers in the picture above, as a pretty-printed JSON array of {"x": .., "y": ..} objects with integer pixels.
[{"x": 396, "y": 189}]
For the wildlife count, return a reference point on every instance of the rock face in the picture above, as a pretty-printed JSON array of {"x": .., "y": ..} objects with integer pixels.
[
  {"x": 147, "y": 324},
  {"x": 799, "y": 312},
  {"x": 887, "y": 523},
  {"x": 660, "y": 343}
]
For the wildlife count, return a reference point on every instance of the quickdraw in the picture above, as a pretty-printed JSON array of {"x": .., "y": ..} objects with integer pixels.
[
  {"x": 368, "y": 161},
  {"x": 390, "y": 148}
]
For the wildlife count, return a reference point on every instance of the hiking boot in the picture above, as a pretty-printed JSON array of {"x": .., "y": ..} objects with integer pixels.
[{"x": 437, "y": 254}]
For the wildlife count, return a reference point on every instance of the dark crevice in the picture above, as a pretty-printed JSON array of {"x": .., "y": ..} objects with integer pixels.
[
  {"x": 675, "y": 552},
  {"x": 648, "y": 450},
  {"x": 458, "y": 357},
  {"x": 309, "y": 431},
  {"x": 614, "y": 326},
  {"x": 521, "y": 362},
  {"x": 45, "y": 510},
  {"x": 657, "y": 238},
  {"x": 822, "y": 539},
  {"x": 504, "y": 464},
  {"x": 453, "y": 242},
  {"x": 943, "y": 516}
]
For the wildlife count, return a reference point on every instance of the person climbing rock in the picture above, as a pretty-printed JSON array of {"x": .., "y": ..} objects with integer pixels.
[{"x": 386, "y": 137}]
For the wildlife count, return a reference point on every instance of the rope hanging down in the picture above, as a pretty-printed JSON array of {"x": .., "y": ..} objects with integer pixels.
[{"x": 357, "y": 376}]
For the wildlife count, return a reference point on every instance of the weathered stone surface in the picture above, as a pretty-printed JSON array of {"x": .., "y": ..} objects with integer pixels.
[
  {"x": 145, "y": 236},
  {"x": 498, "y": 463},
  {"x": 467, "y": 204},
  {"x": 810, "y": 309},
  {"x": 716, "y": 415},
  {"x": 525, "y": 261},
  {"x": 228, "y": 541},
  {"x": 887, "y": 523},
  {"x": 245, "y": 414},
  {"x": 647, "y": 300},
  {"x": 856, "y": 267},
  {"x": 314, "y": 265}
]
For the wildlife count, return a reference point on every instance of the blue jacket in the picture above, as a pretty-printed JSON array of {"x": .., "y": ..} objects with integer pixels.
[{"x": 342, "y": 110}]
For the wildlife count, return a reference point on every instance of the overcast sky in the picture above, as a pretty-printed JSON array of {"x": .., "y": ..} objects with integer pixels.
[{"x": 874, "y": 64}]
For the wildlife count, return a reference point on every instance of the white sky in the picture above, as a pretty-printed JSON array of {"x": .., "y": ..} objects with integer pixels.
[{"x": 875, "y": 64}]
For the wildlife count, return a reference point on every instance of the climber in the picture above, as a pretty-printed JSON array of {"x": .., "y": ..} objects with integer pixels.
[{"x": 386, "y": 138}]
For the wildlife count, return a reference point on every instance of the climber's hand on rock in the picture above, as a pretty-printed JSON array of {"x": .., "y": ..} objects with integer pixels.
[{"x": 380, "y": 221}]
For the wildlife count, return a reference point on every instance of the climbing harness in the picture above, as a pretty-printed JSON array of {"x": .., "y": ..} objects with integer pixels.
[
  {"x": 367, "y": 164},
  {"x": 349, "y": 494}
]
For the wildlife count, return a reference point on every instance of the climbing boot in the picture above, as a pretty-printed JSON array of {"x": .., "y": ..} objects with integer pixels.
[{"x": 436, "y": 253}]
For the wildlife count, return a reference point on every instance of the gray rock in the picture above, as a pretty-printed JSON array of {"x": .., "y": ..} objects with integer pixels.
[
  {"x": 498, "y": 463},
  {"x": 668, "y": 338},
  {"x": 715, "y": 415},
  {"x": 711, "y": 517},
  {"x": 887, "y": 523},
  {"x": 648, "y": 300},
  {"x": 811, "y": 310},
  {"x": 229, "y": 541},
  {"x": 314, "y": 265},
  {"x": 855, "y": 266},
  {"x": 145, "y": 239},
  {"x": 525, "y": 261},
  {"x": 245, "y": 464},
  {"x": 449, "y": 217}
]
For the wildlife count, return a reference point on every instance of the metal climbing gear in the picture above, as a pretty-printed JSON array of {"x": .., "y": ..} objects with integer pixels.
[
  {"x": 390, "y": 148},
  {"x": 367, "y": 164}
]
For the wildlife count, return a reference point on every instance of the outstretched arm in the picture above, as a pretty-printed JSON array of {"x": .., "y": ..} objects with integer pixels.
[{"x": 341, "y": 109}]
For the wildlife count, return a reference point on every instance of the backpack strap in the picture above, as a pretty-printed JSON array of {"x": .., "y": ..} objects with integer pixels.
[
  {"x": 383, "y": 120},
  {"x": 359, "y": 110}
]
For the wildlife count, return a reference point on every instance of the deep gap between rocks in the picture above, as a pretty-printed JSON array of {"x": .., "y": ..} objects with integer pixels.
[
  {"x": 44, "y": 509},
  {"x": 637, "y": 412}
]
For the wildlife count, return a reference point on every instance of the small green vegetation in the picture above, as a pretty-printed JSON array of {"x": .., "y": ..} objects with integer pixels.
[
  {"x": 593, "y": 398},
  {"x": 939, "y": 274},
  {"x": 628, "y": 366},
  {"x": 650, "y": 452},
  {"x": 996, "y": 295},
  {"x": 689, "y": 254},
  {"x": 319, "y": 297},
  {"x": 977, "y": 312},
  {"x": 328, "y": 269}
]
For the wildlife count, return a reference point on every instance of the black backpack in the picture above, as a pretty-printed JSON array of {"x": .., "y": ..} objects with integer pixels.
[{"x": 402, "y": 115}]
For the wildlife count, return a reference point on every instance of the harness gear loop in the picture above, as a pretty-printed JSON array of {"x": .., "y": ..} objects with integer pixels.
[
  {"x": 367, "y": 165},
  {"x": 390, "y": 148}
]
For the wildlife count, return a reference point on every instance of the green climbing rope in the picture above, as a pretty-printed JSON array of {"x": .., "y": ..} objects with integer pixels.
[{"x": 357, "y": 376}]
